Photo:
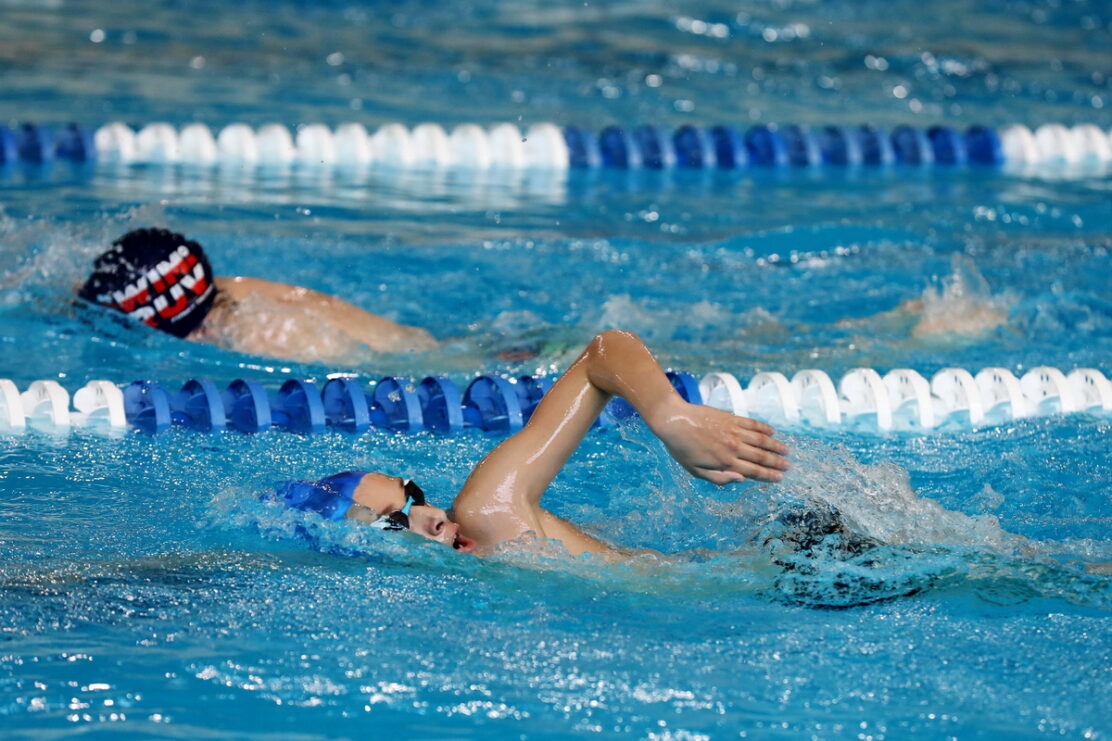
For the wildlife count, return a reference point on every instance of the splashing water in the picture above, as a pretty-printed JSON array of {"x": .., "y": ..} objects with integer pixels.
[
  {"x": 849, "y": 533},
  {"x": 963, "y": 305},
  {"x": 877, "y": 500}
]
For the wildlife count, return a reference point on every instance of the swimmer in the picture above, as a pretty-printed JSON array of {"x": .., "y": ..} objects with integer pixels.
[
  {"x": 961, "y": 307},
  {"x": 165, "y": 281},
  {"x": 501, "y": 499}
]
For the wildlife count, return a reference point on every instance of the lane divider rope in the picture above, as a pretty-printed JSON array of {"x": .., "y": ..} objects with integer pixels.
[
  {"x": 546, "y": 146},
  {"x": 863, "y": 400}
]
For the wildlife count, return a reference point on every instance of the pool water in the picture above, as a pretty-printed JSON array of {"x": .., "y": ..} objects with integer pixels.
[{"x": 146, "y": 589}]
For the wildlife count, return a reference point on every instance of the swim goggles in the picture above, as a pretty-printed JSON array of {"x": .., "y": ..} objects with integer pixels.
[{"x": 399, "y": 519}]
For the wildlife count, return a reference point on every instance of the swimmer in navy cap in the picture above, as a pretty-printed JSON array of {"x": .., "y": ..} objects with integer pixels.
[
  {"x": 501, "y": 500},
  {"x": 164, "y": 280},
  {"x": 157, "y": 277}
]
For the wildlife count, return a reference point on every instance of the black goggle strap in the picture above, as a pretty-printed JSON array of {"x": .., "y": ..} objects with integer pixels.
[
  {"x": 399, "y": 519},
  {"x": 414, "y": 492}
]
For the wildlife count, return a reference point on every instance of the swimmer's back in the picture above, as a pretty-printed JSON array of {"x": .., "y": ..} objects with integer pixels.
[{"x": 269, "y": 318}]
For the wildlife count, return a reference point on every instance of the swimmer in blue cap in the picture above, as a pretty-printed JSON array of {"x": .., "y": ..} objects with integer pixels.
[
  {"x": 501, "y": 499},
  {"x": 164, "y": 280}
]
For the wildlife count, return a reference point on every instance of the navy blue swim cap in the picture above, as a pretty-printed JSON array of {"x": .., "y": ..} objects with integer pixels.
[{"x": 156, "y": 276}]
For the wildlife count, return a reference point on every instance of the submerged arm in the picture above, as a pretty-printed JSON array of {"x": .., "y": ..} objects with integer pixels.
[{"x": 501, "y": 499}]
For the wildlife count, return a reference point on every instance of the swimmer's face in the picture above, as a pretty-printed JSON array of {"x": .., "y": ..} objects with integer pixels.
[{"x": 379, "y": 495}]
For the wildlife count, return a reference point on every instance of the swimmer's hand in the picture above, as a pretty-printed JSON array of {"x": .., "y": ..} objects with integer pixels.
[{"x": 718, "y": 446}]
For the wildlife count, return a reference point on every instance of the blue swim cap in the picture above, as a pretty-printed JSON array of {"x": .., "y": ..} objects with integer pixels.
[{"x": 330, "y": 497}]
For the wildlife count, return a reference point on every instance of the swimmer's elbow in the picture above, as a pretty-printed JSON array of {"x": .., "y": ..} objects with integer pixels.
[{"x": 614, "y": 338}]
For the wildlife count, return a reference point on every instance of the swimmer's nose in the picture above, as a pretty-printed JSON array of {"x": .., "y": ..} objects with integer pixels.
[{"x": 433, "y": 521}]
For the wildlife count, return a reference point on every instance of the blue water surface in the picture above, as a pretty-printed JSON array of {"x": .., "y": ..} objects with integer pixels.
[{"x": 145, "y": 589}]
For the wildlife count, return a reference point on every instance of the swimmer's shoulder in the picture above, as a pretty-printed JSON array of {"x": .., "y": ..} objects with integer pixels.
[
  {"x": 491, "y": 521},
  {"x": 240, "y": 287}
]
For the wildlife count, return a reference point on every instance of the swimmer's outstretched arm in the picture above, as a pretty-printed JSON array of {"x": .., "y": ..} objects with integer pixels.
[{"x": 501, "y": 499}]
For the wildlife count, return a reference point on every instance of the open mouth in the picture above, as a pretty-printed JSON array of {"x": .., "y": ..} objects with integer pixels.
[{"x": 463, "y": 544}]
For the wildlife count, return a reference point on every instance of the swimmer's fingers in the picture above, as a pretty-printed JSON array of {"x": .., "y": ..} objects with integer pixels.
[
  {"x": 752, "y": 470},
  {"x": 755, "y": 425},
  {"x": 765, "y": 442},
  {"x": 738, "y": 472},
  {"x": 764, "y": 459},
  {"x": 751, "y": 443},
  {"x": 715, "y": 477}
]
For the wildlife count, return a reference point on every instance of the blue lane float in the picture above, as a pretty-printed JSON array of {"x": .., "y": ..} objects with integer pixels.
[
  {"x": 840, "y": 147},
  {"x": 9, "y": 147},
  {"x": 876, "y": 146},
  {"x": 147, "y": 407},
  {"x": 657, "y": 152},
  {"x": 199, "y": 406},
  {"x": 984, "y": 147},
  {"x": 950, "y": 147},
  {"x": 76, "y": 144},
  {"x": 863, "y": 399},
  {"x": 729, "y": 148},
  {"x": 39, "y": 145},
  {"x": 695, "y": 148},
  {"x": 246, "y": 406},
  {"x": 802, "y": 146},
  {"x": 912, "y": 146},
  {"x": 345, "y": 406},
  {"x": 35, "y": 143},
  {"x": 547, "y": 146},
  {"x": 441, "y": 405},
  {"x": 618, "y": 149},
  {"x": 492, "y": 404},
  {"x": 298, "y": 407},
  {"x": 766, "y": 147},
  {"x": 395, "y": 406}
]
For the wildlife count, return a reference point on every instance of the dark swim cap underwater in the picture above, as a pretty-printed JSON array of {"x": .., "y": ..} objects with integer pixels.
[{"x": 156, "y": 276}]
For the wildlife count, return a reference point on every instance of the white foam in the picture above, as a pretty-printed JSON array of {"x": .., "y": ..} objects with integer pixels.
[{"x": 877, "y": 500}]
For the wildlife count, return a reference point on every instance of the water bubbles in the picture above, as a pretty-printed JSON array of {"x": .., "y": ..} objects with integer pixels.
[
  {"x": 703, "y": 28},
  {"x": 608, "y": 89},
  {"x": 879, "y": 64},
  {"x": 97, "y": 35}
]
